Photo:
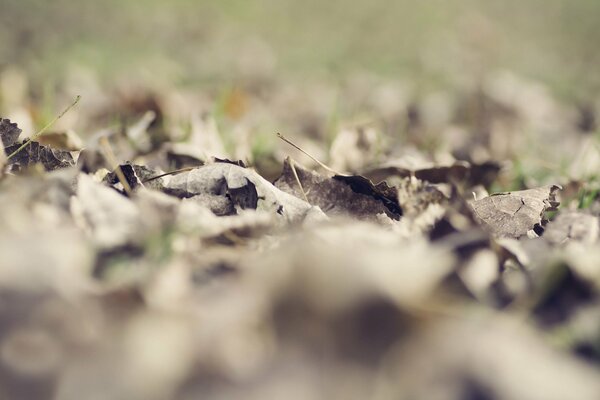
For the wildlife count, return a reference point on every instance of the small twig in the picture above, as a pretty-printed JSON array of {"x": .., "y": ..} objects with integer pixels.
[
  {"x": 280, "y": 136},
  {"x": 169, "y": 173},
  {"x": 41, "y": 131},
  {"x": 112, "y": 159}
]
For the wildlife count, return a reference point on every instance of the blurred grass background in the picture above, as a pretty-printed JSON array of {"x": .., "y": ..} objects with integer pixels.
[{"x": 215, "y": 43}]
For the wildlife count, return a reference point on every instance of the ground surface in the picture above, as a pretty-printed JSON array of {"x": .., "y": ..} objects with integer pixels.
[{"x": 436, "y": 237}]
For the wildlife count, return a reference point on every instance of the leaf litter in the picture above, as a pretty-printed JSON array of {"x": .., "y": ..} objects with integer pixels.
[{"x": 163, "y": 255}]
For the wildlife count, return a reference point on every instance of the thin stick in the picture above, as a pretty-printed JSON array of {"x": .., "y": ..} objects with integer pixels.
[
  {"x": 280, "y": 136},
  {"x": 110, "y": 157},
  {"x": 176, "y": 171},
  {"x": 41, "y": 131}
]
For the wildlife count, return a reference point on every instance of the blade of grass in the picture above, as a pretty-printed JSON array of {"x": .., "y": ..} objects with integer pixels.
[{"x": 41, "y": 131}]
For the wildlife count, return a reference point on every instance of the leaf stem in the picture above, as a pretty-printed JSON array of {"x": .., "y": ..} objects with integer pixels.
[{"x": 280, "y": 136}]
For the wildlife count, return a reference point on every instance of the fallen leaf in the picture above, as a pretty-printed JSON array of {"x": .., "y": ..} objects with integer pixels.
[
  {"x": 109, "y": 218},
  {"x": 51, "y": 159},
  {"x": 138, "y": 132},
  {"x": 136, "y": 176},
  {"x": 205, "y": 135},
  {"x": 195, "y": 218},
  {"x": 460, "y": 171},
  {"x": 341, "y": 195},
  {"x": 514, "y": 214},
  {"x": 352, "y": 148},
  {"x": 572, "y": 226},
  {"x": 234, "y": 187},
  {"x": 9, "y": 132}
]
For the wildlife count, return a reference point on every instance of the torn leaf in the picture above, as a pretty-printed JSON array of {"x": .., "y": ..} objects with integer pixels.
[
  {"x": 514, "y": 214},
  {"x": 35, "y": 153}
]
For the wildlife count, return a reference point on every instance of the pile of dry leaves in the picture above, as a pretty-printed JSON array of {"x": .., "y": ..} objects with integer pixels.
[{"x": 136, "y": 264}]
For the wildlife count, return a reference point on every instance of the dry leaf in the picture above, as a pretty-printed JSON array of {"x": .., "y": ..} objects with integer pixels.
[
  {"x": 460, "y": 171},
  {"x": 340, "y": 195},
  {"x": 514, "y": 214},
  {"x": 572, "y": 225},
  {"x": 9, "y": 132},
  {"x": 109, "y": 218},
  {"x": 352, "y": 148},
  {"x": 136, "y": 176},
  {"x": 233, "y": 187},
  {"x": 34, "y": 153}
]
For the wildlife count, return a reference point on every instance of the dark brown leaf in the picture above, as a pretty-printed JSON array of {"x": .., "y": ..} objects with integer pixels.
[
  {"x": 136, "y": 176},
  {"x": 460, "y": 171},
  {"x": 35, "y": 153},
  {"x": 9, "y": 132},
  {"x": 341, "y": 195}
]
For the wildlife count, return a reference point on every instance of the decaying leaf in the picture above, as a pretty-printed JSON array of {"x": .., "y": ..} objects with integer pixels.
[
  {"x": 109, "y": 218},
  {"x": 459, "y": 171},
  {"x": 196, "y": 218},
  {"x": 233, "y": 187},
  {"x": 422, "y": 206},
  {"x": 514, "y": 214},
  {"x": 571, "y": 225},
  {"x": 35, "y": 153},
  {"x": 340, "y": 195},
  {"x": 416, "y": 195},
  {"x": 352, "y": 148},
  {"x": 9, "y": 132},
  {"x": 136, "y": 176}
]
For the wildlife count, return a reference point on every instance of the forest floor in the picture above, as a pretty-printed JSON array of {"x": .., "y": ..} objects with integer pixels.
[{"x": 220, "y": 224}]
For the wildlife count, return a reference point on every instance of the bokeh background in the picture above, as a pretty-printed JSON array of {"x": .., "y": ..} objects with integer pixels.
[{"x": 216, "y": 43}]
